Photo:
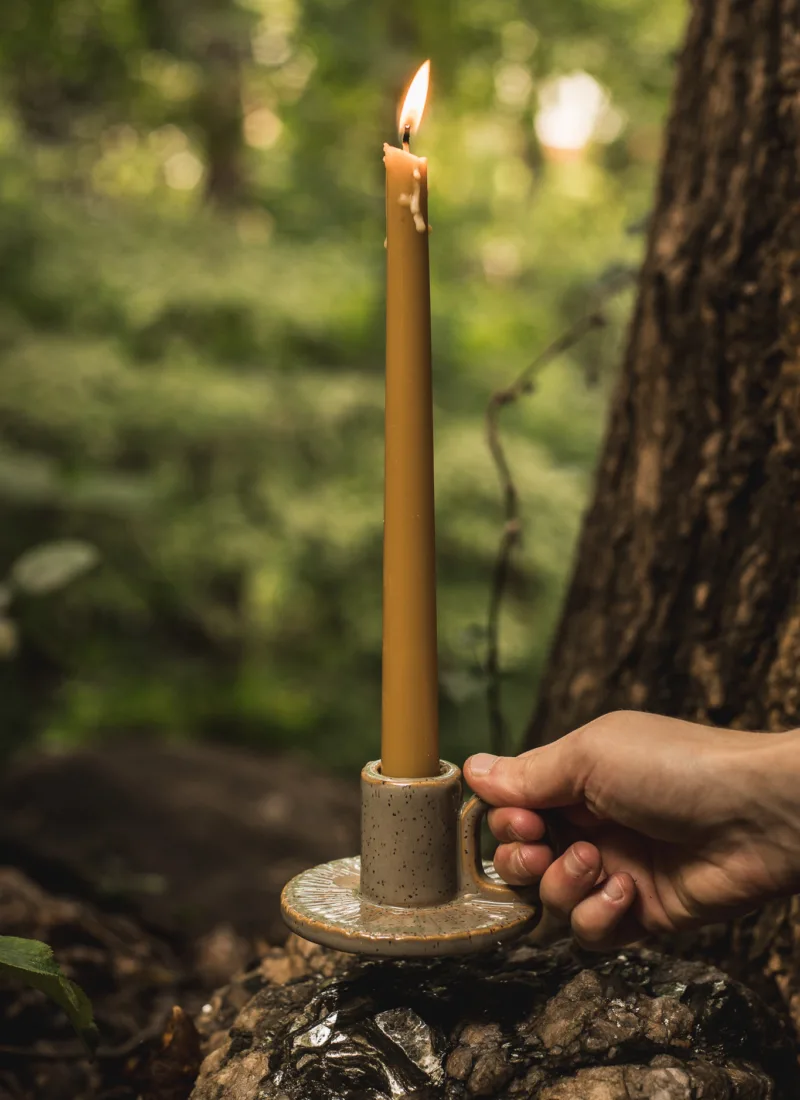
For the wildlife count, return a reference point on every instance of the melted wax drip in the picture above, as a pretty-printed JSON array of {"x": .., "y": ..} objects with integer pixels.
[{"x": 412, "y": 201}]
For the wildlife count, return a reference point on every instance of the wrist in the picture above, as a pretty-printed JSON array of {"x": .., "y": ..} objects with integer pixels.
[{"x": 770, "y": 774}]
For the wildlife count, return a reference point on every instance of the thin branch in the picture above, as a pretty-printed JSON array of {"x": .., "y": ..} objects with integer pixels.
[{"x": 511, "y": 535}]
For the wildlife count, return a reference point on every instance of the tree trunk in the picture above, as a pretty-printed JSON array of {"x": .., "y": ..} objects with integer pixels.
[
  {"x": 219, "y": 110},
  {"x": 684, "y": 598}
]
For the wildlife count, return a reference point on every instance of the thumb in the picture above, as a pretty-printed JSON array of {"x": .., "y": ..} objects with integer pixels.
[{"x": 541, "y": 779}]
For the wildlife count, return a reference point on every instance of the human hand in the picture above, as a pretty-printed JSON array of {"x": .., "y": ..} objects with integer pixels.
[{"x": 670, "y": 824}]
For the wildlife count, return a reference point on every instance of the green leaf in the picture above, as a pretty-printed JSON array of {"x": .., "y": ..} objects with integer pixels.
[
  {"x": 53, "y": 565},
  {"x": 32, "y": 962}
]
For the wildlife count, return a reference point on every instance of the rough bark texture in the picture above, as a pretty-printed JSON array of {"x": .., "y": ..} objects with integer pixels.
[
  {"x": 684, "y": 599},
  {"x": 311, "y": 1024}
]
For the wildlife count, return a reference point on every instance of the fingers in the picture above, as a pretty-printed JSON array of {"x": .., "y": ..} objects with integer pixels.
[
  {"x": 570, "y": 879},
  {"x": 519, "y": 860},
  {"x": 521, "y": 864},
  {"x": 542, "y": 778},
  {"x": 602, "y": 921},
  {"x": 509, "y": 824},
  {"x": 598, "y": 914},
  {"x": 573, "y": 890}
]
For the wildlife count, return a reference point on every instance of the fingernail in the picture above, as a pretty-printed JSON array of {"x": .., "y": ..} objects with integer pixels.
[
  {"x": 482, "y": 763},
  {"x": 613, "y": 889},
  {"x": 575, "y": 863}
]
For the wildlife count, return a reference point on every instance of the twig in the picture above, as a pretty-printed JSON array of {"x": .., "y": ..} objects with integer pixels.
[{"x": 512, "y": 528}]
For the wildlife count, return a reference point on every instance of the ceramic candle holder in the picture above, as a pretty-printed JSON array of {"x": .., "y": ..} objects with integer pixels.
[{"x": 420, "y": 886}]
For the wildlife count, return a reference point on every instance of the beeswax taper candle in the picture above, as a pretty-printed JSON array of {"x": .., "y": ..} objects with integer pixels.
[{"x": 410, "y": 723}]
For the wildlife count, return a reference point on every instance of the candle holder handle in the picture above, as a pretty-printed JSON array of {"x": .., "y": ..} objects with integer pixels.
[{"x": 472, "y": 876}]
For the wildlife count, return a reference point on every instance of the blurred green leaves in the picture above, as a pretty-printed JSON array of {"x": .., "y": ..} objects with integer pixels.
[
  {"x": 45, "y": 569},
  {"x": 191, "y": 344},
  {"x": 40, "y": 571}
]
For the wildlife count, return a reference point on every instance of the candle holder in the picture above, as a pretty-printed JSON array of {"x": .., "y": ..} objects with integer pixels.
[{"x": 420, "y": 887}]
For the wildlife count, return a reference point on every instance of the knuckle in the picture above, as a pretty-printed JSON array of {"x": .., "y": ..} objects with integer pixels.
[
  {"x": 518, "y": 863},
  {"x": 596, "y": 730},
  {"x": 526, "y": 769},
  {"x": 588, "y": 743}
]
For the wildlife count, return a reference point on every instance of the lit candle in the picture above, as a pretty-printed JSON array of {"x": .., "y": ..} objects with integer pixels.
[{"x": 410, "y": 724}]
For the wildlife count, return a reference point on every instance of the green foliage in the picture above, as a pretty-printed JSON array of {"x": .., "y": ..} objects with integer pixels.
[
  {"x": 40, "y": 571},
  {"x": 196, "y": 389},
  {"x": 32, "y": 962},
  {"x": 45, "y": 569}
]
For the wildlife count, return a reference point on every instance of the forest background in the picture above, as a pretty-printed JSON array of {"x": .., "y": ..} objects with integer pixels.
[{"x": 191, "y": 345}]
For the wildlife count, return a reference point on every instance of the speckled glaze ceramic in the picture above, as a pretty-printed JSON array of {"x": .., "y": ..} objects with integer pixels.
[
  {"x": 420, "y": 886},
  {"x": 409, "y": 837}
]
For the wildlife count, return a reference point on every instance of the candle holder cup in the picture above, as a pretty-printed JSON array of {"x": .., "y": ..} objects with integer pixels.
[{"x": 420, "y": 887}]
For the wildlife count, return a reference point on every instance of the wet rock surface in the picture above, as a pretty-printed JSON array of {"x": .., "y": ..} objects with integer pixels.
[{"x": 311, "y": 1024}]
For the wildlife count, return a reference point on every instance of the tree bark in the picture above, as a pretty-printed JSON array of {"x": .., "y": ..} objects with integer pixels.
[
  {"x": 684, "y": 598},
  {"x": 219, "y": 110},
  {"x": 684, "y": 595}
]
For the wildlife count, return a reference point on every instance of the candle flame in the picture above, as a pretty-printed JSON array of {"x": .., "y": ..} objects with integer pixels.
[{"x": 414, "y": 103}]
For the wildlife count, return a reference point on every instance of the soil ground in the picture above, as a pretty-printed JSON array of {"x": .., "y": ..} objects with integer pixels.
[{"x": 154, "y": 872}]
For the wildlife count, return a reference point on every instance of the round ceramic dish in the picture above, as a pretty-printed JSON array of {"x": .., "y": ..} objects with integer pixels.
[{"x": 420, "y": 887}]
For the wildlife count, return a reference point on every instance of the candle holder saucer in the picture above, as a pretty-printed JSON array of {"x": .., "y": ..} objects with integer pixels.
[{"x": 419, "y": 887}]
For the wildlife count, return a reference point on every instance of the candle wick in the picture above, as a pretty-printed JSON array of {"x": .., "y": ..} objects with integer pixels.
[{"x": 406, "y": 137}]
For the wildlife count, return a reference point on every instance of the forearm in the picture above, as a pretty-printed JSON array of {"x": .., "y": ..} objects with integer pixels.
[{"x": 769, "y": 777}]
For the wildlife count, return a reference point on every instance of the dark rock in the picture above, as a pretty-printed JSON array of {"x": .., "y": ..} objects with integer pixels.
[
  {"x": 580, "y": 1018},
  {"x": 664, "y": 1079},
  {"x": 518, "y": 1023}
]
